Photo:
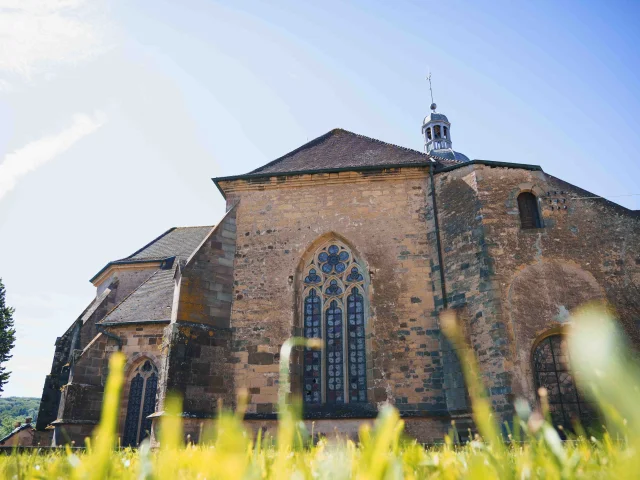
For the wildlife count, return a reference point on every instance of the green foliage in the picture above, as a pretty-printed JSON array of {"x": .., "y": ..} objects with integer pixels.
[
  {"x": 7, "y": 336},
  {"x": 16, "y": 409},
  {"x": 533, "y": 451}
]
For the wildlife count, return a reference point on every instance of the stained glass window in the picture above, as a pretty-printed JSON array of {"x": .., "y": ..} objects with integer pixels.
[
  {"x": 335, "y": 352},
  {"x": 141, "y": 404},
  {"x": 334, "y": 309},
  {"x": 312, "y": 358},
  {"x": 566, "y": 403},
  {"x": 357, "y": 359}
]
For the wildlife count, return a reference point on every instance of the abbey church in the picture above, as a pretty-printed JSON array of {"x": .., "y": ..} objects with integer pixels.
[{"x": 360, "y": 243}]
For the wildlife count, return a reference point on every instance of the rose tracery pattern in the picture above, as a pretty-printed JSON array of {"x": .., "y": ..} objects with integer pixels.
[{"x": 334, "y": 309}]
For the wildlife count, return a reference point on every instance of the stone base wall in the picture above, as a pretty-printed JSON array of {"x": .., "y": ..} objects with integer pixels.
[
  {"x": 72, "y": 433},
  {"x": 425, "y": 430}
]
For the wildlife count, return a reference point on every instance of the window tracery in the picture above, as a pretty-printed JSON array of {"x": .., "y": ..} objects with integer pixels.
[
  {"x": 334, "y": 309},
  {"x": 552, "y": 371},
  {"x": 141, "y": 404}
]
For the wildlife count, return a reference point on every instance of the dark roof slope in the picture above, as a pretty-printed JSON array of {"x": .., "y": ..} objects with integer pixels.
[
  {"x": 179, "y": 242},
  {"x": 176, "y": 242},
  {"x": 150, "y": 302},
  {"x": 342, "y": 149}
]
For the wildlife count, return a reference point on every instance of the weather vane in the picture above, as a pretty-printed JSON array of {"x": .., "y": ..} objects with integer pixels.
[{"x": 433, "y": 105}]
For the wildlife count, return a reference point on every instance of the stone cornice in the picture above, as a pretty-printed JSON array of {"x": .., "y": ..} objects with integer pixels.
[{"x": 243, "y": 184}]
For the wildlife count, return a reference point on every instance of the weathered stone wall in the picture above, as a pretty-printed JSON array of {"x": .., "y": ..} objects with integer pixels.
[
  {"x": 588, "y": 249},
  {"x": 139, "y": 343},
  {"x": 198, "y": 367},
  {"x": 50, "y": 400},
  {"x": 75, "y": 339},
  {"x": 381, "y": 216},
  {"x": 206, "y": 283},
  {"x": 469, "y": 283},
  {"x": 198, "y": 344},
  {"x": 81, "y": 401}
]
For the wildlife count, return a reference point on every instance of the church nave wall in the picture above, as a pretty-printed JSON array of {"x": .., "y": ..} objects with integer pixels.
[{"x": 381, "y": 217}]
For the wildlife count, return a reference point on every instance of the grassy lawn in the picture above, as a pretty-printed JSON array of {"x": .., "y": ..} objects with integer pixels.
[{"x": 533, "y": 449}]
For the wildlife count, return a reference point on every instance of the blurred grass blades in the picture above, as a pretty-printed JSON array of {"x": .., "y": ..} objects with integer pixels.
[{"x": 529, "y": 447}]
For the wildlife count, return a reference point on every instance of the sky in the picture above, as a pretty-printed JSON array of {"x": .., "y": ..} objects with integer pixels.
[{"x": 115, "y": 114}]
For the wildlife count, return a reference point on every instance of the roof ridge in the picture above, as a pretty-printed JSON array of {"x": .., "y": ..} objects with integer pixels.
[
  {"x": 195, "y": 226},
  {"x": 382, "y": 142},
  {"x": 149, "y": 244},
  {"x": 323, "y": 137},
  {"x": 131, "y": 293}
]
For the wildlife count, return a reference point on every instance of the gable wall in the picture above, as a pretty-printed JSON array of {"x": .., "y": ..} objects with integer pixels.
[
  {"x": 590, "y": 251},
  {"x": 125, "y": 280},
  {"x": 382, "y": 217}
]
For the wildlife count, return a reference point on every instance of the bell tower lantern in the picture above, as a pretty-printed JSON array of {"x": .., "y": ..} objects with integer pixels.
[{"x": 436, "y": 131}]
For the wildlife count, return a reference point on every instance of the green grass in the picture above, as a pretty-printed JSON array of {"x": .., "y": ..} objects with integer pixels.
[{"x": 607, "y": 372}]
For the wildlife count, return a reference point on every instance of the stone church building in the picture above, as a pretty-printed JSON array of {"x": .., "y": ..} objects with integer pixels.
[{"x": 361, "y": 243}]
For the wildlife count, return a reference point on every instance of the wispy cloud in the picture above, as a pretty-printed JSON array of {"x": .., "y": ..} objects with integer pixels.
[
  {"x": 26, "y": 159},
  {"x": 34, "y": 34}
]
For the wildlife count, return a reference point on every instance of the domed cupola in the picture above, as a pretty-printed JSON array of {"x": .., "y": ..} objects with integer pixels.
[{"x": 436, "y": 130}]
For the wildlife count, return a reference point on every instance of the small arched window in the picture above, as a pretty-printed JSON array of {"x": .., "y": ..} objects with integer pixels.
[
  {"x": 529, "y": 211},
  {"x": 141, "y": 404},
  {"x": 429, "y": 133},
  {"x": 436, "y": 131},
  {"x": 551, "y": 371},
  {"x": 445, "y": 132},
  {"x": 333, "y": 305}
]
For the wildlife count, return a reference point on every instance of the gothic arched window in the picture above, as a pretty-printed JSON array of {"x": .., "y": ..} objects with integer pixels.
[
  {"x": 529, "y": 211},
  {"x": 141, "y": 404},
  {"x": 334, "y": 309},
  {"x": 551, "y": 371}
]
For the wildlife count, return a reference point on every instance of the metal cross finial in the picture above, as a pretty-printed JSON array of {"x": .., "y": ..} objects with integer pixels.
[{"x": 433, "y": 105}]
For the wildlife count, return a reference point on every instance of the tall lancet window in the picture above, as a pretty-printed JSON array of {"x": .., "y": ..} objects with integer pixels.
[
  {"x": 334, "y": 309},
  {"x": 141, "y": 404}
]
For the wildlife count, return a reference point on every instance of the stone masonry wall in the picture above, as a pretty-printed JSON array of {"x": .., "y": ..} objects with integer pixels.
[
  {"x": 81, "y": 402},
  {"x": 588, "y": 249},
  {"x": 381, "y": 215},
  {"x": 199, "y": 365},
  {"x": 470, "y": 289}
]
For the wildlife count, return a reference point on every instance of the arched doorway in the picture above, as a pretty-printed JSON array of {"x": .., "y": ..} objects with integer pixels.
[
  {"x": 551, "y": 371},
  {"x": 141, "y": 404}
]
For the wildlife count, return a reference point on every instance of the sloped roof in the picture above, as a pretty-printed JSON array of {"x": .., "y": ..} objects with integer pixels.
[
  {"x": 24, "y": 426},
  {"x": 342, "y": 149},
  {"x": 176, "y": 242},
  {"x": 150, "y": 302},
  {"x": 448, "y": 157},
  {"x": 179, "y": 242}
]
